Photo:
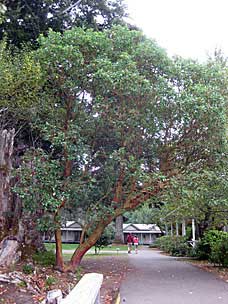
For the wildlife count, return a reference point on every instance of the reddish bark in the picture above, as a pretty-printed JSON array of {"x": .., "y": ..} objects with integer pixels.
[
  {"x": 59, "y": 255},
  {"x": 78, "y": 255},
  {"x": 90, "y": 241},
  {"x": 130, "y": 203},
  {"x": 119, "y": 187}
]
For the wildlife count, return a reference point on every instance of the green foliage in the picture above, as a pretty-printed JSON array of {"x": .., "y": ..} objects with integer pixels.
[
  {"x": 106, "y": 238},
  {"x": 22, "y": 284},
  {"x": 28, "y": 268},
  {"x": 219, "y": 252},
  {"x": 213, "y": 247},
  {"x": 20, "y": 86},
  {"x": 204, "y": 246},
  {"x": 118, "y": 119},
  {"x": 175, "y": 245},
  {"x": 50, "y": 281},
  {"x": 2, "y": 12},
  {"x": 146, "y": 214},
  {"x": 46, "y": 258},
  {"x": 24, "y": 21},
  {"x": 201, "y": 194}
]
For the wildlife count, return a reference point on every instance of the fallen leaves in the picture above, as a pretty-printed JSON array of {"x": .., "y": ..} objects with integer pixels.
[{"x": 32, "y": 288}]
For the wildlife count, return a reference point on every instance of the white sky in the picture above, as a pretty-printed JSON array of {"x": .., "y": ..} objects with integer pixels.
[{"x": 189, "y": 28}]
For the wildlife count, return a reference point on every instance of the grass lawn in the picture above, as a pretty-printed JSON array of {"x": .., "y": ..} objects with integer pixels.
[
  {"x": 51, "y": 246},
  {"x": 90, "y": 256}
]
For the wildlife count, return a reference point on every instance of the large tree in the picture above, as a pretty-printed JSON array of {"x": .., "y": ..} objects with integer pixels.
[
  {"x": 122, "y": 119},
  {"x": 20, "y": 92},
  {"x": 24, "y": 20}
]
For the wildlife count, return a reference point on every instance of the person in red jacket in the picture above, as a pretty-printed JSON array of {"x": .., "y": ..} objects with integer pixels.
[
  {"x": 136, "y": 243},
  {"x": 129, "y": 242}
]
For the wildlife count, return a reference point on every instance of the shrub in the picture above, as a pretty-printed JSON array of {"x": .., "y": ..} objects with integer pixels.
[
  {"x": 202, "y": 250},
  {"x": 219, "y": 250},
  {"x": 28, "y": 268},
  {"x": 213, "y": 247},
  {"x": 50, "y": 281},
  {"x": 175, "y": 245},
  {"x": 106, "y": 238},
  {"x": 46, "y": 258},
  {"x": 210, "y": 246}
]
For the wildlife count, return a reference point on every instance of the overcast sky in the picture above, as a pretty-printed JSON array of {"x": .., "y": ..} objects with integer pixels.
[{"x": 189, "y": 28}]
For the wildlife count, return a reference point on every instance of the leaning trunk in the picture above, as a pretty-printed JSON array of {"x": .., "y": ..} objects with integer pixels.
[
  {"x": 78, "y": 255},
  {"x": 88, "y": 243}
]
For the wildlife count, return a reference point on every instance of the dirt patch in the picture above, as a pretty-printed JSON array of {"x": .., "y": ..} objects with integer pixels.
[
  {"x": 37, "y": 284},
  {"x": 113, "y": 269}
]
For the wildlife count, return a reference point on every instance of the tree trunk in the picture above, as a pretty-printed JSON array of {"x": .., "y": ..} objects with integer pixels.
[
  {"x": 18, "y": 233},
  {"x": 119, "y": 236},
  {"x": 9, "y": 253},
  {"x": 129, "y": 204},
  {"x": 9, "y": 242},
  {"x": 88, "y": 243},
  {"x": 29, "y": 236},
  {"x": 78, "y": 255},
  {"x": 59, "y": 263},
  {"x": 6, "y": 151}
]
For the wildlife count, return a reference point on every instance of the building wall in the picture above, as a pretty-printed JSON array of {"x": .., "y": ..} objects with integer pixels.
[{"x": 72, "y": 236}]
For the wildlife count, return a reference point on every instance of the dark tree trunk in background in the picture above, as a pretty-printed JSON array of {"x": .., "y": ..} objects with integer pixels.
[
  {"x": 9, "y": 245},
  {"x": 6, "y": 151},
  {"x": 18, "y": 233},
  {"x": 119, "y": 236}
]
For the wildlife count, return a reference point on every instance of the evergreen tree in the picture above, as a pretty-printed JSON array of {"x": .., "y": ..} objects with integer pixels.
[{"x": 25, "y": 20}]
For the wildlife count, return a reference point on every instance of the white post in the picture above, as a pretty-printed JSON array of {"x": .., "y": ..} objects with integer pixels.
[
  {"x": 166, "y": 230},
  {"x": 150, "y": 239},
  {"x": 177, "y": 229},
  {"x": 183, "y": 228},
  {"x": 171, "y": 226},
  {"x": 193, "y": 233}
]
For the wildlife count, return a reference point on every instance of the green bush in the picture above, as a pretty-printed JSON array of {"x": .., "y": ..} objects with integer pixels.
[
  {"x": 106, "y": 238},
  {"x": 28, "y": 268},
  {"x": 46, "y": 258},
  {"x": 50, "y": 281},
  {"x": 175, "y": 245},
  {"x": 202, "y": 250},
  {"x": 213, "y": 247},
  {"x": 219, "y": 250}
]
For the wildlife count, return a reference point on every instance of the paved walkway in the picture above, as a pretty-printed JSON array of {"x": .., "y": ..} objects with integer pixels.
[{"x": 159, "y": 279}]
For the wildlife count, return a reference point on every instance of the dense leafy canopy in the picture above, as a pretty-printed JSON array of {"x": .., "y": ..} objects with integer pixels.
[{"x": 25, "y": 20}]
